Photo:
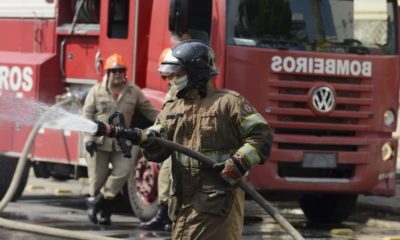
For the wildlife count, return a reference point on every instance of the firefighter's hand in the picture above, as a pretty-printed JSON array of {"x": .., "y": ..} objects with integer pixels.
[
  {"x": 91, "y": 147},
  {"x": 233, "y": 170},
  {"x": 150, "y": 144}
]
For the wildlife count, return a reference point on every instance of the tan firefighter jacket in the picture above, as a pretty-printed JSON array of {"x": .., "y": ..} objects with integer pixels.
[
  {"x": 100, "y": 104},
  {"x": 219, "y": 125}
]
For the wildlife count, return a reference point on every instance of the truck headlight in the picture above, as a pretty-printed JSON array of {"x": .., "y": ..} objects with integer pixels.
[
  {"x": 387, "y": 151},
  {"x": 388, "y": 117}
]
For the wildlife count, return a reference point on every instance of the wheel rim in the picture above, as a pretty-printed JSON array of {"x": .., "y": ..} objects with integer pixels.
[{"x": 146, "y": 175}]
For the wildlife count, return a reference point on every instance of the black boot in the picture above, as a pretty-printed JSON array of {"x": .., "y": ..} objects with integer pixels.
[
  {"x": 93, "y": 207},
  {"x": 160, "y": 221},
  {"x": 105, "y": 216},
  {"x": 168, "y": 227}
]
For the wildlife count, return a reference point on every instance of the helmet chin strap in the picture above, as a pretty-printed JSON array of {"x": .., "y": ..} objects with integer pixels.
[{"x": 199, "y": 83}]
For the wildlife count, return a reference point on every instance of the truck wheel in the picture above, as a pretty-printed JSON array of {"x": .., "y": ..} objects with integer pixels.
[
  {"x": 7, "y": 170},
  {"x": 327, "y": 208},
  {"x": 142, "y": 186}
]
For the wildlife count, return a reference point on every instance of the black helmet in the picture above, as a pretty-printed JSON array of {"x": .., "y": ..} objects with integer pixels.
[{"x": 197, "y": 58}]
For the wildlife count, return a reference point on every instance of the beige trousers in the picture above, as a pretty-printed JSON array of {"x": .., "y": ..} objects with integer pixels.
[
  {"x": 105, "y": 180},
  {"x": 164, "y": 181}
]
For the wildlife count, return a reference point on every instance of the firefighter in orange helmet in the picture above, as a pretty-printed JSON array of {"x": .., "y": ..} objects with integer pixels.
[
  {"x": 220, "y": 124},
  {"x": 113, "y": 94}
]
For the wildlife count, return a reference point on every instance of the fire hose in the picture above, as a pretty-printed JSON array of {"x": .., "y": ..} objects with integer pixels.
[
  {"x": 14, "y": 185},
  {"x": 137, "y": 136}
]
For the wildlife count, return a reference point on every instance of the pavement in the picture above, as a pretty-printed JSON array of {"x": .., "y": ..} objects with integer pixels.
[{"x": 71, "y": 187}]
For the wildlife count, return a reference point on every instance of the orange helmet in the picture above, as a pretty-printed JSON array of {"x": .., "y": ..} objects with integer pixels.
[
  {"x": 168, "y": 64},
  {"x": 115, "y": 61},
  {"x": 163, "y": 54}
]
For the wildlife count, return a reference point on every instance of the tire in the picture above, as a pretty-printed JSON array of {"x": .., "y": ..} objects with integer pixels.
[
  {"x": 327, "y": 208},
  {"x": 142, "y": 186},
  {"x": 7, "y": 170}
]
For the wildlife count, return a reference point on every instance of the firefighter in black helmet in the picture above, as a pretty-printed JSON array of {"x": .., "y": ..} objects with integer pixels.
[{"x": 220, "y": 124}]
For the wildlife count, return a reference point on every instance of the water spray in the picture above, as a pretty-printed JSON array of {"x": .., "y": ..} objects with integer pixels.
[
  {"x": 116, "y": 129},
  {"x": 17, "y": 177}
]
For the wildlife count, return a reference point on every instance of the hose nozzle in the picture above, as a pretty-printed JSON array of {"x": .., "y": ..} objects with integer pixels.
[
  {"x": 109, "y": 130},
  {"x": 105, "y": 130},
  {"x": 116, "y": 129}
]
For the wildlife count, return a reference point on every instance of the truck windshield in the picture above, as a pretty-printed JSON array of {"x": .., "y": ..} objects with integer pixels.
[{"x": 338, "y": 26}]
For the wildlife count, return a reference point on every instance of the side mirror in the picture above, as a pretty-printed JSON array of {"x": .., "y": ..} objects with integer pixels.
[{"x": 178, "y": 16}]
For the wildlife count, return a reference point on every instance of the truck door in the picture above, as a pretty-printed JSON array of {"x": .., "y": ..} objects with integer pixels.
[
  {"x": 186, "y": 19},
  {"x": 101, "y": 29},
  {"x": 117, "y": 23}
]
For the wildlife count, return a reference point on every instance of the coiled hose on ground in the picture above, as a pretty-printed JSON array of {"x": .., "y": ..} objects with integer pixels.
[{"x": 14, "y": 185}]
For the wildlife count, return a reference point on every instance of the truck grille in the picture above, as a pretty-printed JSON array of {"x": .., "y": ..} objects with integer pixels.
[{"x": 289, "y": 111}]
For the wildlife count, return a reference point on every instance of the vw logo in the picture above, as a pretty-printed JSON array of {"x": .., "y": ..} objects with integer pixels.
[{"x": 323, "y": 99}]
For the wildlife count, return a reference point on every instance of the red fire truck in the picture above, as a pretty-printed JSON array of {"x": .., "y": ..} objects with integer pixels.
[{"x": 324, "y": 73}]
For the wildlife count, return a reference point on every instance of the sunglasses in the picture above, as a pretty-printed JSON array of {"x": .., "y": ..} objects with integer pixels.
[{"x": 117, "y": 70}]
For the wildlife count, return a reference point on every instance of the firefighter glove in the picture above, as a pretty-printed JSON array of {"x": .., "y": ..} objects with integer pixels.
[
  {"x": 150, "y": 144},
  {"x": 91, "y": 147},
  {"x": 233, "y": 170}
]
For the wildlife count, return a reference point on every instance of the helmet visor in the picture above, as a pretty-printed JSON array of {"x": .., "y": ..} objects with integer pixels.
[{"x": 166, "y": 70}]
